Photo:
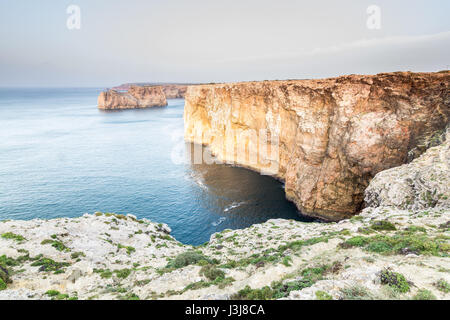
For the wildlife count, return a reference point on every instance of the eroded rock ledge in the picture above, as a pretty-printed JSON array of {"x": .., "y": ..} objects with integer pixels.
[
  {"x": 334, "y": 135},
  {"x": 136, "y": 97}
]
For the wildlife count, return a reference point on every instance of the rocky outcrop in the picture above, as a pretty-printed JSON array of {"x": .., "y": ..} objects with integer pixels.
[
  {"x": 326, "y": 138},
  {"x": 136, "y": 97},
  {"x": 423, "y": 183},
  {"x": 171, "y": 90},
  {"x": 174, "y": 91}
]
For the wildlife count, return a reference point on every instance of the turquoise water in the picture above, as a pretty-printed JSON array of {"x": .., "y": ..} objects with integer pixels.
[{"x": 62, "y": 157}]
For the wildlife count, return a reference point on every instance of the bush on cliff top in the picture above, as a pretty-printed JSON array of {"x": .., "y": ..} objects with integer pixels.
[{"x": 187, "y": 258}]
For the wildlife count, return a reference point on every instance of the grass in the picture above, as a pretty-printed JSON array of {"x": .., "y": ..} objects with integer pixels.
[
  {"x": 322, "y": 295},
  {"x": 13, "y": 236},
  {"x": 47, "y": 264},
  {"x": 424, "y": 294},
  {"x": 281, "y": 289},
  {"x": 211, "y": 272},
  {"x": 129, "y": 249},
  {"x": 400, "y": 243},
  {"x": 442, "y": 285},
  {"x": 356, "y": 293},
  {"x": 58, "y": 245},
  {"x": 383, "y": 225},
  {"x": 104, "y": 273},
  {"x": 122, "y": 273},
  {"x": 188, "y": 258}
]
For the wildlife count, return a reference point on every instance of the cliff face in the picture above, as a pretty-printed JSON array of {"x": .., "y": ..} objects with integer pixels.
[
  {"x": 171, "y": 90},
  {"x": 136, "y": 97},
  {"x": 174, "y": 91},
  {"x": 422, "y": 184},
  {"x": 326, "y": 138}
]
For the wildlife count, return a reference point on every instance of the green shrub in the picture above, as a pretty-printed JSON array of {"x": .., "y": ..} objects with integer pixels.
[
  {"x": 13, "y": 236},
  {"x": 442, "y": 285},
  {"x": 322, "y": 295},
  {"x": 47, "y": 264},
  {"x": 383, "y": 225},
  {"x": 211, "y": 272},
  {"x": 187, "y": 258},
  {"x": 122, "y": 273},
  {"x": 58, "y": 245},
  {"x": 395, "y": 280},
  {"x": 356, "y": 293}
]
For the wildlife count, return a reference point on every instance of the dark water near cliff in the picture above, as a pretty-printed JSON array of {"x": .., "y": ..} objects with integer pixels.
[{"x": 61, "y": 157}]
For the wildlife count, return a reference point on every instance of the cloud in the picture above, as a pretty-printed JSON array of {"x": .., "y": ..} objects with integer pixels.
[{"x": 392, "y": 41}]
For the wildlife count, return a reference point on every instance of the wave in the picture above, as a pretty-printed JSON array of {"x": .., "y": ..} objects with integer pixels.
[
  {"x": 218, "y": 222},
  {"x": 234, "y": 205}
]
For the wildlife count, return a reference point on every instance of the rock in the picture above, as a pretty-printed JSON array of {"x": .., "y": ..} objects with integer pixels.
[
  {"x": 171, "y": 90},
  {"x": 328, "y": 137},
  {"x": 136, "y": 97},
  {"x": 75, "y": 275},
  {"x": 423, "y": 183}
]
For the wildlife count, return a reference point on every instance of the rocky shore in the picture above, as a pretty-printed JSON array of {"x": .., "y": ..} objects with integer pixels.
[{"x": 394, "y": 249}]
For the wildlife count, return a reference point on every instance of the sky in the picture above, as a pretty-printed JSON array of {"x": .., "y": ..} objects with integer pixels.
[{"x": 216, "y": 41}]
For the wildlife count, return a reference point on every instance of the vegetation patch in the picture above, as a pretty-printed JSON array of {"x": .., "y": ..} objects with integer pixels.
[
  {"x": 424, "y": 294},
  {"x": 13, "y": 236},
  {"x": 383, "y": 225},
  {"x": 281, "y": 289},
  {"x": 211, "y": 272},
  {"x": 47, "y": 264},
  {"x": 322, "y": 295},
  {"x": 356, "y": 293},
  {"x": 400, "y": 243},
  {"x": 129, "y": 249},
  {"x": 104, "y": 273},
  {"x": 188, "y": 258},
  {"x": 5, "y": 272},
  {"x": 58, "y": 245},
  {"x": 442, "y": 285},
  {"x": 122, "y": 273},
  {"x": 395, "y": 280},
  {"x": 56, "y": 295}
]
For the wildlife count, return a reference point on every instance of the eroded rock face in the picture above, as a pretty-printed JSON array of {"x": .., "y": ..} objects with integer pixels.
[
  {"x": 423, "y": 183},
  {"x": 136, "y": 97},
  {"x": 174, "y": 91},
  {"x": 327, "y": 138}
]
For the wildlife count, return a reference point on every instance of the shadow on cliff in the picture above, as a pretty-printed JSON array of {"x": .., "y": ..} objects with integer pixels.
[{"x": 239, "y": 193}]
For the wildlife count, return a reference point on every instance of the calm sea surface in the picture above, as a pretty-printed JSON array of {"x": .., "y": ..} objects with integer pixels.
[{"x": 62, "y": 157}]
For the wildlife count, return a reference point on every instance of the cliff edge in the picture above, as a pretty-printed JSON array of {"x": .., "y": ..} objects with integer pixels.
[
  {"x": 326, "y": 139},
  {"x": 136, "y": 97}
]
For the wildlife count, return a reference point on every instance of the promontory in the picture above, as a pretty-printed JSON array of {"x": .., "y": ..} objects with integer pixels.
[{"x": 325, "y": 139}]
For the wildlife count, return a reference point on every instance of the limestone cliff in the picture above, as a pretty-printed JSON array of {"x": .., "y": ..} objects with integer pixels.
[
  {"x": 326, "y": 138},
  {"x": 174, "y": 91},
  {"x": 171, "y": 90},
  {"x": 424, "y": 183},
  {"x": 136, "y": 97}
]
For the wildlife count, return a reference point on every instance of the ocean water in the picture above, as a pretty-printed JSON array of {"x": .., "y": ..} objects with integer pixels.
[{"x": 62, "y": 157}]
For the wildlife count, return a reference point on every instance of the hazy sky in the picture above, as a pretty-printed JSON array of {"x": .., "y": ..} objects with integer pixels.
[{"x": 209, "y": 40}]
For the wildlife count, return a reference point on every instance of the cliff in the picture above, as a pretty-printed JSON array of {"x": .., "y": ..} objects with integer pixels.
[
  {"x": 135, "y": 97},
  {"x": 421, "y": 184},
  {"x": 171, "y": 90},
  {"x": 326, "y": 139}
]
